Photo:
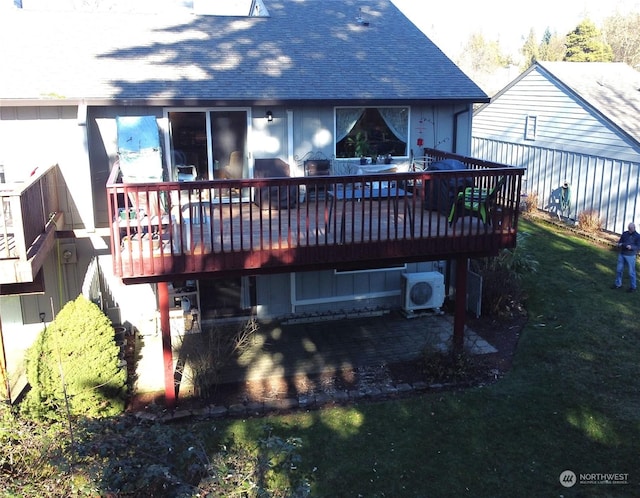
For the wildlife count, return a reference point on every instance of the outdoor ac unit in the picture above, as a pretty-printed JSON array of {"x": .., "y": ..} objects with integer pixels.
[{"x": 422, "y": 290}]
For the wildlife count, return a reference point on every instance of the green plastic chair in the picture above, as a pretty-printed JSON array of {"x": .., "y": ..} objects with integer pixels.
[{"x": 475, "y": 201}]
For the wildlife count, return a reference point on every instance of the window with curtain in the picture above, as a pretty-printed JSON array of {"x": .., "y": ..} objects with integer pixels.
[{"x": 366, "y": 131}]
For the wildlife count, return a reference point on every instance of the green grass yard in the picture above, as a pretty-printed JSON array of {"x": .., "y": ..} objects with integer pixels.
[{"x": 570, "y": 402}]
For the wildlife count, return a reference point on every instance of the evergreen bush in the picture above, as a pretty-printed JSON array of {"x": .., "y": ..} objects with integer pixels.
[{"x": 73, "y": 368}]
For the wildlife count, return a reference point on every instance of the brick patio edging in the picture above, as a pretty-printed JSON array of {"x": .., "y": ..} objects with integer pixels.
[{"x": 304, "y": 401}]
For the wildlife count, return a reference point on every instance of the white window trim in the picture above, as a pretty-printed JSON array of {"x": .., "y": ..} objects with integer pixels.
[
  {"x": 350, "y": 159},
  {"x": 530, "y": 127}
]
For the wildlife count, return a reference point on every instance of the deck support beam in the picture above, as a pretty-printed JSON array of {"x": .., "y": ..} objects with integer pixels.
[
  {"x": 167, "y": 352},
  {"x": 460, "y": 309}
]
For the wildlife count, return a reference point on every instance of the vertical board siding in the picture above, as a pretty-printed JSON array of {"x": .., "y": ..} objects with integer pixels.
[{"x": 597, "y": 183}]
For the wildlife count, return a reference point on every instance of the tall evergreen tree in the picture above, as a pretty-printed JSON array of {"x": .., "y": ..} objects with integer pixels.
[{"x": 586, "y": 44}]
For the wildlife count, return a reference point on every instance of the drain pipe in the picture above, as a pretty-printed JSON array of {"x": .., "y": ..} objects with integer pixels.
[{"x": 456, "y": 115}]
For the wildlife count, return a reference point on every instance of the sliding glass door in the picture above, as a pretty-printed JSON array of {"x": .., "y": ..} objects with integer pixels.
[{"x": 208, "y": 144}]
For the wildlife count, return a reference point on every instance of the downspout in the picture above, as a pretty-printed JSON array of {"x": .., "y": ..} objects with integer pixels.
[
  {"x": 456, "y": 115},
  {"x": 291, "y": 158}
]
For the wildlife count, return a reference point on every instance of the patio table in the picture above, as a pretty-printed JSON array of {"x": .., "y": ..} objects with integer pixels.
[{"x": 377, "y": 190}]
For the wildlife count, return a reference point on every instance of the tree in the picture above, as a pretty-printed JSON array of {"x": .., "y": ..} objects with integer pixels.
[
  {"x": 552, "y": 47},
  {"x": 586, "y": 44},
  {"x": 622, "y": 33},
  {"x": 530, "y": 51},
  {"x": 482, "y": 56},
  {"x": 73, "y": 367}
]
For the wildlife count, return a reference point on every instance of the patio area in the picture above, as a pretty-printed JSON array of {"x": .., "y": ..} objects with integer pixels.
[{"x": 287, "y": 359}]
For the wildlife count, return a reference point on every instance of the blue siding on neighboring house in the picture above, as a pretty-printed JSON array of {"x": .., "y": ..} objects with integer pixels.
[
  {"x": 573, "y": 142},
  {"x": 563, "y": 122},
  {"x": 605, "y": 185}
]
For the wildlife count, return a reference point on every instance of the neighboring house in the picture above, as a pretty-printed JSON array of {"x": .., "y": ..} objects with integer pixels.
[
  {"x": 573, "y": 122},
  {"x": 301, "y": 80}
]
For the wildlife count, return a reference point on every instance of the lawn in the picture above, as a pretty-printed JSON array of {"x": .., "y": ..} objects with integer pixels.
[{"x": 570, "y": 402}]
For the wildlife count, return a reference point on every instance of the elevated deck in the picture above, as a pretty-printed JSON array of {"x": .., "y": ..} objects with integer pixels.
[{"x": 257, "y": 226}]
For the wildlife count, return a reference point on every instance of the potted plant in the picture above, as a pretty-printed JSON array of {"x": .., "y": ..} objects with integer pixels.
[{"x": 360, "y": 146}]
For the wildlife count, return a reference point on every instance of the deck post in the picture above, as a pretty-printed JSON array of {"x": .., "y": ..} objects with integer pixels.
[
  {"x": 167, "y": 353},
  {"x": 460, "y": 304}
]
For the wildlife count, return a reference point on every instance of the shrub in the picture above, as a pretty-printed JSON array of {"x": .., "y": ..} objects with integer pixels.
[
  {"x": 133, "y": 458},
  {"x": 529, "y": 203},
  {"x": 73, "y": 368},
  {"x": 32, "y": 458},
  {"x": 207, "y": 353},
  {"x": 590, "y": 221},
  {"x": 501, "y": 278},
  {"x": 446, "y": 366}
]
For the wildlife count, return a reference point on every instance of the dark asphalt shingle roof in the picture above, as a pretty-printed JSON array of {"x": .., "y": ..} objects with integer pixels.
[{"x": 305, "y": 50}]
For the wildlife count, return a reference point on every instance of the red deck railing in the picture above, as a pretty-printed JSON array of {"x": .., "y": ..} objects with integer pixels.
[{"x": 249, "y": 226}]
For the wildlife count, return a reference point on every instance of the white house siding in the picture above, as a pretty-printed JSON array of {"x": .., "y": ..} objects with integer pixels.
[
  {"x": 572, "y": 143},
  {"x": 86, "y": 148},
  {"x": 37, "y": 137},
  {"x": 329, "y": 292}
]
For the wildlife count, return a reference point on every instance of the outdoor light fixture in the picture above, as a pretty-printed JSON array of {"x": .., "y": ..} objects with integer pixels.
[{"x": 269, "y": 116}]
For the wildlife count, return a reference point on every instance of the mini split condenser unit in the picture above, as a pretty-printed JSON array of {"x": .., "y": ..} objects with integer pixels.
[{"x": 422, "y": 290}]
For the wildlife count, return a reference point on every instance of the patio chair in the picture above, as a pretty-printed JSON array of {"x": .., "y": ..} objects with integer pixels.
[
  {"x": 316, "y": 164},
  {"x": 476, "y": 201},
  {"x": 233, "y": 169},
  {"x": 274, "y": 197}
]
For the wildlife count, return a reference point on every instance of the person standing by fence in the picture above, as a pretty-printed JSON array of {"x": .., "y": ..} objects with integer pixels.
[{"x": 628, "y": 247}]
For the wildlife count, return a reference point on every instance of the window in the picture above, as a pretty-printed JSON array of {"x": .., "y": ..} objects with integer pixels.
[
  {"x": 368, "y": 269},
  {"x": 366, "y": 131},
  {"x": 530, "y": 127}
]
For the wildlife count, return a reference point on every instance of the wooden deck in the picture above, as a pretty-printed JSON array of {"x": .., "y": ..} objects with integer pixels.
[
  {"x": 215, "y": 226},
  {"x": 29, "y": 217}
]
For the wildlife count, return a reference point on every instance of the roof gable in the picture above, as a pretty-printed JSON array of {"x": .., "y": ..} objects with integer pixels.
[
  {"x": 304, "y": 50},
  {"x": 610, "y": 88}
]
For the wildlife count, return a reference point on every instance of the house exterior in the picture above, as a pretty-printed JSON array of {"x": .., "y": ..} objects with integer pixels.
[
  {"x": 573, "y": 122},
  {"x": 287, "y": 82}
]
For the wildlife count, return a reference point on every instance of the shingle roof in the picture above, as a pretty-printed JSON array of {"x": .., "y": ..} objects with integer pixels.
[
  {"x": 305, "y": 50},
  {"x": 611, "y": 88}
]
